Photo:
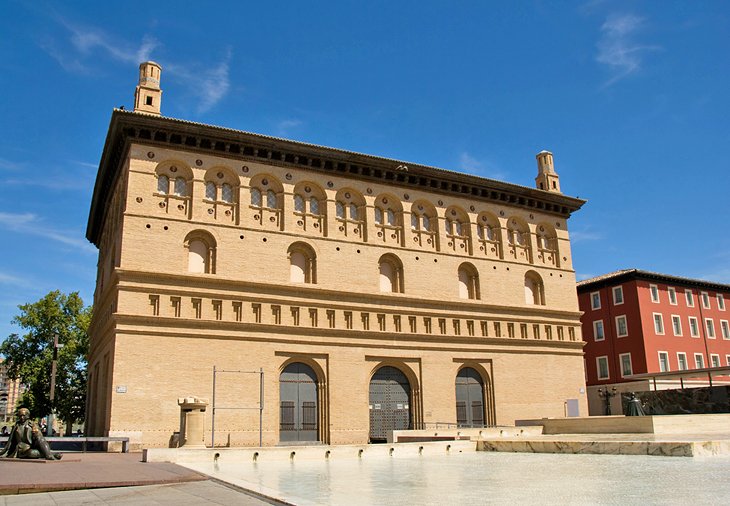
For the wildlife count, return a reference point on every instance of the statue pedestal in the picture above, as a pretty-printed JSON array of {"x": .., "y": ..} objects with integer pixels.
[{"x": 192, "y": 421}]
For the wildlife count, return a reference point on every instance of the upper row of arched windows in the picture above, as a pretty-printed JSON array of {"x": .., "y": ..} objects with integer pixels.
[
  {"x": 267, "y": 201},
  {"x": 201, "y": 247}
]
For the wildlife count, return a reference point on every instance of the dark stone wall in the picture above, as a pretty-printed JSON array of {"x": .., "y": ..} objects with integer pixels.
[{"x": 683, "y": 401}]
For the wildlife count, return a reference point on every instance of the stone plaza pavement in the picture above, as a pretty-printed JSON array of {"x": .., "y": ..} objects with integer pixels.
[{"x": 110, "y": 478}]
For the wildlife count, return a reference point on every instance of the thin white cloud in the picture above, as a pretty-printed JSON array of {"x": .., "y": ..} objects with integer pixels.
[
  {"x": 29, "y": 223},
  {"x": 284, "y": 127},
  {"x": 617, "y": 49},
  {"x": 210, "y": 86},
  {"x": 88, "y": 39},
  {"x": 581, "y": 276},
  {"x": 11, "y": 165},
  {"x": 73, "y": 175},
  {"x": 12, "y": 280},
  {"x": 578, "y": 236},
  {"x": 468, "y": 163},
  {"x": 86, "y": 43}
]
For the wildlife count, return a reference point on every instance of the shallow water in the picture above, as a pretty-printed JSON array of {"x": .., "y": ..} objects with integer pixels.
[{"x": 488, "y": 478}]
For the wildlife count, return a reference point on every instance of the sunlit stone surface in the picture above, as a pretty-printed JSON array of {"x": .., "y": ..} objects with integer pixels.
[{"x": 485, "y": 478}]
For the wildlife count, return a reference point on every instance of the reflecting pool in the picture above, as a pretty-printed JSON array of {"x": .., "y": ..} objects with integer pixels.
[{"x": 484, "y": 478}]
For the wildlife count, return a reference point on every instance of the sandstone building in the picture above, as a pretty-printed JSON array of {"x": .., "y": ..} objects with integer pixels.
[{"x": 371, "y": 293}]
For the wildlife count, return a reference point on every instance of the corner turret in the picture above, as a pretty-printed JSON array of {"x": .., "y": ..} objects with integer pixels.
[
  {"x": 547, "y": 179},
  {"x": 148, "y": 95}
]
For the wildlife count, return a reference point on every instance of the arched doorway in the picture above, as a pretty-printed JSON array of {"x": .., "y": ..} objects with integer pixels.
[
  {"x": 469, "y": 398},
  {"x": 390, "y": 403},
  {"x": 298, "y": 403}
]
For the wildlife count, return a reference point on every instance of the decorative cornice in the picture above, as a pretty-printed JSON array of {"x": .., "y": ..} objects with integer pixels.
[
  {"x": 127, "y": 127},
  {"x": 613, "y": 278}
]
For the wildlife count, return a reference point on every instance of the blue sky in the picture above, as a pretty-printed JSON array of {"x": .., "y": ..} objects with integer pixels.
[{"x": 630, "y": 96}]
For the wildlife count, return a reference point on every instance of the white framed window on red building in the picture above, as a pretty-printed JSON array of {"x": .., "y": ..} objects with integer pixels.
[
  {"x": 622, "y": 329},
  {"x": 663, "y": 361},
  {"x": 672, "y": 295},
  {"x": 681, "y": 361}
]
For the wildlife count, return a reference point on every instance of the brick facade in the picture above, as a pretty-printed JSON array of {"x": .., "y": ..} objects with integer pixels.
[{"x": 238, "y": 268}]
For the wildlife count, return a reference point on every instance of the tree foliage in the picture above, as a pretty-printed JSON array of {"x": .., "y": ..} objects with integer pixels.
[{"x": 28, "y": 357}]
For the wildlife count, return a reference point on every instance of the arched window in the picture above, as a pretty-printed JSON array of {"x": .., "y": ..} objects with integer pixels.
[
  {"x": 534, "y": 289},
  {"x": 310, "y": 208},
  {"x": 349, "y": 211},
  {"x": 227, "y": 193},
  {"x": 423, "y": 224},
  {"x": 255, "y": 197},
  {"x": 388, "y": 219},
  {"x": 181, "y": 187},
  {"x": 201, "y": 253},
  {"x": 468, "y": 282},
  {"x": 457, "y": 225},
  {"x": 210, "y": 190},
  {"x": 518, "y": 240},
  {"x": 391, "y": 274},
  {"x": 547, "y": 245},
  {"x": 303, "y": 263},
  {"x": 173, "y": 188},
  {"x": 266, "y": 200},
  {"x": 489, "y": 235},
  {"x": 271, "y": 199},
  {"x": 163, "y": 184}
]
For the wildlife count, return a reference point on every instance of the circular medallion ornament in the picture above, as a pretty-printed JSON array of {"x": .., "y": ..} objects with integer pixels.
[
  {"x": 347, "y": 195},
  {"x": 210, "y": 211},
  {"x": 472, "y": 208},
  {"x": 244, "y": 168},
  {"x": 198, "y": 162},
  {"x": 440, "y": 202},
  {"x": 406, "y": 196},
  {"x": 501, "y": 213},
  {"x": 370, "y": 191},
  {"x": 264, "y": 181},
  {"x": 139, "y": 200},
  {"x": 288, "y": 177},
  {"x": 330, "y": 184},
  {"x": 173, "y": 169},
  {"x": 385, "y": 201},
  {"x": 150, "y": 154},
  {"x": 307, "y": 189},
  {"x": 220, "y": 175}
]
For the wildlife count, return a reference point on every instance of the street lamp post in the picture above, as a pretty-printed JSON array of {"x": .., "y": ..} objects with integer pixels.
[
  {"x": 607, "y": 394},
  {"x": 52, "y": 397}
]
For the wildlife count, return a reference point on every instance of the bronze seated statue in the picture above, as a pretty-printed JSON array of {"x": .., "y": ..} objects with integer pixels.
[{"x": 26, "y": 440}]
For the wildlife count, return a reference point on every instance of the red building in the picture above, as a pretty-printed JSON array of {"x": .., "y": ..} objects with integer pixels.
[{"x": 637, "y": 322}]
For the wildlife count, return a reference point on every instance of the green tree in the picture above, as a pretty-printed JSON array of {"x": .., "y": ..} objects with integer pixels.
[{"x": 29, "y": 356}]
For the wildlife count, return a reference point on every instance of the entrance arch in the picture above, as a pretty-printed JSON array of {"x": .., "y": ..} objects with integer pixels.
[
  {"x": 390, "y": 403},
  {"x": 469, "y": 398},
  {"x": 298, "y": 409}
]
